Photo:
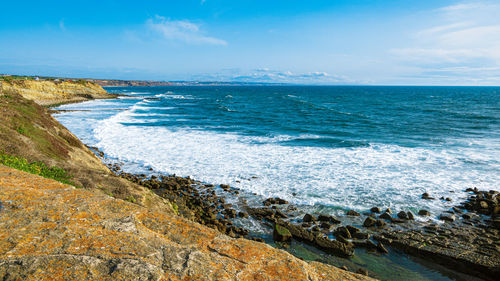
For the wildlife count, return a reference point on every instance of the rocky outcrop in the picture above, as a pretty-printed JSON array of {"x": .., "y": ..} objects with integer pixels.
[
  {"x": 52, "y": 231},
  {"x": 55, "y": 92}
]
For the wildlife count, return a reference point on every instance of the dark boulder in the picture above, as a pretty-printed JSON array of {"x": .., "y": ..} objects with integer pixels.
[
  {"x": 369, "y": 221},
  {"x": 424, "y": 213},
  {"x": 352, "y": 213},
  {"x": 403, "y": 215},
  {"x": 309, "y": 218}
]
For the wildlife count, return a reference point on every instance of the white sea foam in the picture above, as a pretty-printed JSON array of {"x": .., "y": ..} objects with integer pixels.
[{"x": 359, "y": 178}]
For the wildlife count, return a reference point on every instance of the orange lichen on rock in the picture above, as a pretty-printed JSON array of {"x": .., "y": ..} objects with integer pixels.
[{"x": 52, "y": 231}]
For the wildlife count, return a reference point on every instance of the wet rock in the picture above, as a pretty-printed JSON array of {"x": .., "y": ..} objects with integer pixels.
[
  {"x": 386, "y": 216},
  {"x": 360, "y": 235},
  {"x": 403, "y": 215},
  {"x": 309, "y": 218},
  {"x": 242, "y": 215},
  {"x": 281, "y": 233},
  {"x": 326, "y": 225},
  {"x": 353, "y": 213},
  {"x": 388, "y": 210},
  {"x": 381, "y": 248},
  {"x": 261, "y": 213},
  {"x": 275, "y": 201},
  {"x": 328, "y": 218},
  {"x": 375, "y": 210},
  {"x": 426, "y": 196},
  {"x": 369, "y": 222},
  {"x": 334, "y": 247},
  {"x": 410, "y": 215},
  {"x": 447, "y": 217},
  {"x": 280, "y": 214},
  {"x": 362, "y": 271},
  {"x": 380, "y": 223},
  {"x": 352, "y": 229},
  {"x": 342, "y": 231},
  {"x": 424, "y": 213}
]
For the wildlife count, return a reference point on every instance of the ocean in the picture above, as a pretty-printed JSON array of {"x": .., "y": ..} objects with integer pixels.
[{"x": 332, "y": 148}]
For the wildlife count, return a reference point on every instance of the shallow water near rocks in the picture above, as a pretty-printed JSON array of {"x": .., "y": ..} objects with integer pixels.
[{"x": 324, "y": 149}]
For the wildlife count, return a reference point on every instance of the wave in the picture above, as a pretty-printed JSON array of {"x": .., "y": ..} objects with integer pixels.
[{"x": 356, "y": 177}]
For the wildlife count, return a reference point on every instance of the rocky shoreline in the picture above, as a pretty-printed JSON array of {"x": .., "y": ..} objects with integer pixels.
[{"x": 466, "y": 240}]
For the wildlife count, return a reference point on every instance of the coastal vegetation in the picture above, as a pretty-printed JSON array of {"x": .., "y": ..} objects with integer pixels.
[{"x": 36, "y": 168}]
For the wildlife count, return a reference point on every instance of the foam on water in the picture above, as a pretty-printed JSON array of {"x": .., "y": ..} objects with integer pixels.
[{"x": 358, "y": 178}]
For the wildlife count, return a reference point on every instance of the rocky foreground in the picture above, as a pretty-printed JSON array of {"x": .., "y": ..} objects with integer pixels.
[{"x": 52, "y": 231}]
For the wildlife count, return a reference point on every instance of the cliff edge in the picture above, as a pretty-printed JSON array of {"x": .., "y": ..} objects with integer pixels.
[{"x": 55, "y": 92}]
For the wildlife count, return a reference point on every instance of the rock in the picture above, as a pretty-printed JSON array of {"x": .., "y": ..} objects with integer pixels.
[
  {"x": 281, "y": 233},
  {"x": 261, "y": 213},
  {"x": 361, "y": 235},
  {"x": 380, "y": 223},
  {"x": 328, "y": 219},
  {"x": 386, "y": 216},
  {"x": 344, "y": 268},
  {"x": 342, "y": 231},
  {"x": 242, "y": 215},
  {"x": 427, "y": 196},
  {"x": 280, "y": 214},
  {"x": 353, "y": 213},
  {"x": 381, "y": 248},
  {"x": 362, "y": 271},
  {"x": 447, "y": 217},
  {"x": 410, "y": 215},
  {"x": 388, "y": 210},
  {"x": 92, "y": 236},
  {"x": 424, "y": 213},
  {"x": 334, "y": 247},
  {"x": 309, "y": 218},
  {"x": 403, "y": 215},
  {"x": 352, "y": 229},
  {"x": 275, "y": 201},
  {"x": 326, "y": 225},
  {"x": 369, "y": 221},
  {"x": 375, "y": 210}
]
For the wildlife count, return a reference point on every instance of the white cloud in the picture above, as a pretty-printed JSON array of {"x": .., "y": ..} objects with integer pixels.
[
  {"x": 181, "y": 30},
  {"x": 266, "y": 75},
  {"x": 273, "y": 76},
  {"x": 463, "y": 42}
]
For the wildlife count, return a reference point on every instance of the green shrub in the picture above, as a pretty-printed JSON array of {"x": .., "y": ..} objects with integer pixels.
[{"x": 36, "y": 168}]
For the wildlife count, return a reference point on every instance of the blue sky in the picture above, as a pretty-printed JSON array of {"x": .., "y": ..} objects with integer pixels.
[{"x": 312, "y": 42}]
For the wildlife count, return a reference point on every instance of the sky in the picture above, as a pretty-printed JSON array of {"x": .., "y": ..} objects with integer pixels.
[{"x": 370, "y": 42}]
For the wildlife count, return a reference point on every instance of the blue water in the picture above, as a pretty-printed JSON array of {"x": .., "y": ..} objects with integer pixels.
[{"x": 329, "y": 148}]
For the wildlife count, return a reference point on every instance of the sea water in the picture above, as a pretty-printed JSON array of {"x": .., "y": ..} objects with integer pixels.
[{"x": 333, "y": 147}]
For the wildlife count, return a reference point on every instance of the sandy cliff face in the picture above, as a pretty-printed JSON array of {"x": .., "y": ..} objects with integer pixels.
[
  {"x": 51, "y": 231},
  {"x": 51, "y": 92}
]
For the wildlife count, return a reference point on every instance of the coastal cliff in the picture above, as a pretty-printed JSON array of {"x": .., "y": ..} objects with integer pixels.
[
  {"x": 55, "y": 92},
  {"x": 103, "y": 227}
]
